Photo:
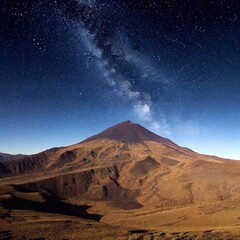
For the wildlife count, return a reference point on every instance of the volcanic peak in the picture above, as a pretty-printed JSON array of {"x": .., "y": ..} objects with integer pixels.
[{"x": 128, "y": 131}]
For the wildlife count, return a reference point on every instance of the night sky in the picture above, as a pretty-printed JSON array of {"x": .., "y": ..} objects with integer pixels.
[{"x": 69, "y": 69}]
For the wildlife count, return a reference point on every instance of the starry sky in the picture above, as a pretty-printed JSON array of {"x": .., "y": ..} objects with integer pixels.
[{"x": 71, "y": 68}]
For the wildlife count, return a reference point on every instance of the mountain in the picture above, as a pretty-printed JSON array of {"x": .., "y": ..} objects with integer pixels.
[
  {"x": 130, "y": 168},
  {"x": 6, "y": 156},
  {"x": 125, "y": 160},
  {"x": 128, "y": 132}
]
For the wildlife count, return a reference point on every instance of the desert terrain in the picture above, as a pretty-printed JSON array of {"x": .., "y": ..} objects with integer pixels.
[{"x": 124, "y": 183}]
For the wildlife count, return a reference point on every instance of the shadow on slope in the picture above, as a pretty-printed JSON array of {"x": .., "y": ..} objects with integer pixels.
[{"x": 51, "y": 204}]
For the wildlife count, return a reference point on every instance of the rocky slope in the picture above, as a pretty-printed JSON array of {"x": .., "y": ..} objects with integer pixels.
[{"x": 128, "y": 167}]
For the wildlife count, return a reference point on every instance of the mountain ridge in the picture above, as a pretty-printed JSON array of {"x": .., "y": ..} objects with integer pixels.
[
  {"x": 128, "y": 161},
  {"x": 7, "y": 156}
]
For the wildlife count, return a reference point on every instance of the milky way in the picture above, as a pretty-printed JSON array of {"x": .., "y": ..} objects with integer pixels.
[{"x": 111, "y": 47}]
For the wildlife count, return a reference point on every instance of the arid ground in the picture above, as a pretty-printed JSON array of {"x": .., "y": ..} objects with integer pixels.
[{"x": 124, "y": 183}]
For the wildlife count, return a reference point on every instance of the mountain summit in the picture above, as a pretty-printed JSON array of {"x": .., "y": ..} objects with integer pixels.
[{"x": 129, "y": 132}]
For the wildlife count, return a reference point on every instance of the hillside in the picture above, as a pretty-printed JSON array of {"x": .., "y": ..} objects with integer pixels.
[{"x": 136, "y": 179}]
